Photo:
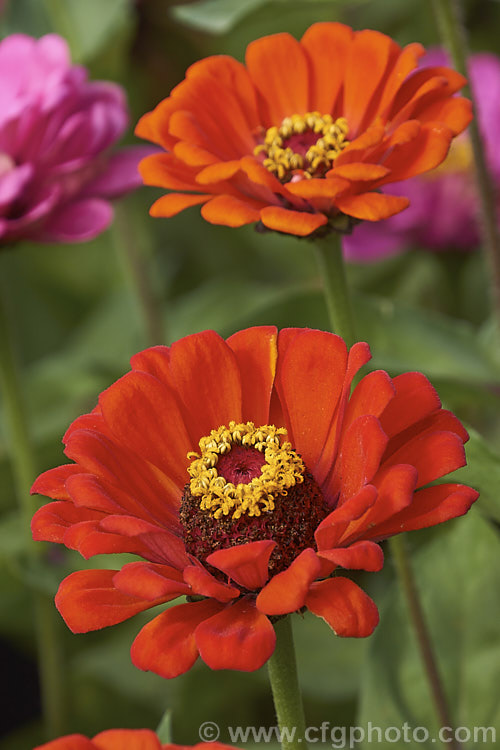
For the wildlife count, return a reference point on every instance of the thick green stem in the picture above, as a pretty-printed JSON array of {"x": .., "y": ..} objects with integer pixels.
[
  {"x": 23, "y": 465},
  {"x": 333, "y": 276},
  {"x": 282, "y": 669},
  {"x": 449, "y": 18},
  {"x": 337, "y": 298},
  {"x": 139, "y": 277},
  {"x": 408, "y": 583}
]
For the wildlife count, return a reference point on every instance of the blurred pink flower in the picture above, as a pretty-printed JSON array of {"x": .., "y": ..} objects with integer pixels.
[
  {"x": 444, "y": 209},
  {"x": 57, "y": 174}
]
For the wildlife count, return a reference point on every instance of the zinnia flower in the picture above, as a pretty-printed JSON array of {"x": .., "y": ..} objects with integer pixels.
[
  {"x": 444, "y": 206},
  {"x": 123, "y": 739},
  {"x": 303, "y": 137},
  {"x": 56, "y": 130},
  {"x": 244, "y": 475}
]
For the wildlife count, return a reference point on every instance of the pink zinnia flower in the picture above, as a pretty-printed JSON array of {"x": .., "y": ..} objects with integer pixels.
[
  {"x": 57, "y": 175},
  {"x": 444, "y": 206}
]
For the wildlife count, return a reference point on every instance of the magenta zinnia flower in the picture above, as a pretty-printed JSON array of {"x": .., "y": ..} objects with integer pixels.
[
  {"x": 444, "y": 206},
  {"x": 57, "y": 174}
]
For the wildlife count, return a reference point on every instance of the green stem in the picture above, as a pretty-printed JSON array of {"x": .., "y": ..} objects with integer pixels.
[
  {"x": 332, "y": 270},
  {"x": 450, "y": 22},
  {"x": 336, "y": 291},
  {"x": 282, "y": 668},
  {"x": 23, "y": 465},
  {"x": 139, "y": 277},
  {"x": 409, "y": 585}
]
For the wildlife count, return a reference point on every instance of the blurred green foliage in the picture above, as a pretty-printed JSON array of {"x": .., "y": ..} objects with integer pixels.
[{"x": 77, "y": 322}]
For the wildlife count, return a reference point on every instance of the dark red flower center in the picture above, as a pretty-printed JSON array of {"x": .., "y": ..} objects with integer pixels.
[
  {"x": 254, "y": 489},
  {"x": 303, "y": 146}
]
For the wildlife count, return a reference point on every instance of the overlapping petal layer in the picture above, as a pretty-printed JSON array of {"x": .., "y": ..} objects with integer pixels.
[
  {"x": 400, "y": 123},
  {"x": 369, "y": 457},
  {"x": 121, "y": 739}
]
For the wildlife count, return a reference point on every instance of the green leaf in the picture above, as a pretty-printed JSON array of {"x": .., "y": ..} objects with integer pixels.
[
  {"x": 457, "y": 576},
  {"x": 164, "y": 730},
  {"x": 483, "y": 473},
  {"x": 215, "y": 16},
  {"x": 87, "y": 26},
  {"x": 403, "y": 338}
]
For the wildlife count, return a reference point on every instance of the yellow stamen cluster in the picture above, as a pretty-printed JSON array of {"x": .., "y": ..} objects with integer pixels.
[
  {"x": 282, "y": 470},
  {"x": 281, "y": 160}
]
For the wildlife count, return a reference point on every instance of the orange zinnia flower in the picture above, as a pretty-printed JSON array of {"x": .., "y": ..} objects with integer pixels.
[
  {"x": 123, "y": 739},
  {"x": 303, "y": 137},
  {"x": 244, "y": 475}
]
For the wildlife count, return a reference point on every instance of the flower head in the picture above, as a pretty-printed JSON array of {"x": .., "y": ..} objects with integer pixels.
[
  {"x": 245, "y": 475},
  {"x": 123, "y": 739},
  {"x": 56, "y": 131},
  {"x": 303, "y": 137},
  {"x": 444, "y": 205}
]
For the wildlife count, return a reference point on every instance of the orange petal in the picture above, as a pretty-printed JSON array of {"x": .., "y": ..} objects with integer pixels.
[
  {"x": 173, "y": 203},
  {"x": 359, "y": 171},
  {"x": 193, "y": 155},
  {"x": 279, "y": 69},
  {"x": 372, "y": 206},
  {"x": 229, "y": 211},
  {"x": 165, "y": 170},
  {"x": 223, "y": 170},
  {"x": 406, "y": 62},
  {"x": 327, "y": 46},
  {"x": 291, "y": 222},
  {"x": 68, "y": 742},
  {"x": 132, "y": 739},
  {"x": 318, "y": 188},
  {"x": 367, "y": 61},
  {"x": 455, "y": 113},
  {"x": 286, "y": 592}
]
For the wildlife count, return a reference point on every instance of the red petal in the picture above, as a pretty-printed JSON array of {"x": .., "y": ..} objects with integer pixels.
[
  {"x": 371, "y": 396},
  {"x": 246, "y": 564},
  {"x": 164, "y": 545},
  {"x": 150, "y": 581},
  {"x": 51, "y": 521},
  {"x": 256, "y": 352},
  {"x": 333, "y": 526},
  {"x": 207, "y": 379},
  {"x": 273, "y": 62},
  {"x": 430, "y": 506},
  {"x": 362, "y": 555},
  {"x": 344, "y": 606},
  {"x": 144, "y": 416},
  {"x": 89, "y": 540},
  {"x": 203, "y": 583},
  {"x": 131, "y": 739},
  {"x": 415, "y": 399},
  {"x": 291, "y": 222},
  {"x": 433, "y": 454},
  {"x": 88, "y": 600},
  {"x": 52, "y": 483},
  {"x": 395, "y": 487},
  {"x": 309, "y": 382},
  {"x": 286, "y": 592},
  {"x": 240, "y": 637},
  {"x": 362, "y": 449},
  {"x": 166, "y": 645}
]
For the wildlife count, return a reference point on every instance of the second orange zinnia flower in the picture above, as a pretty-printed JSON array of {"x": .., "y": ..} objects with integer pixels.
[
  {"x": 302, "y": 137},
  {"x": 244, "y": 474}
]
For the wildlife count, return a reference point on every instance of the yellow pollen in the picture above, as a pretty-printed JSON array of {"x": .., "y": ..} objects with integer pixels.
[
  {"x": 283, "y": 161},
  {"x": 281, "y": 471}
]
